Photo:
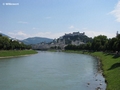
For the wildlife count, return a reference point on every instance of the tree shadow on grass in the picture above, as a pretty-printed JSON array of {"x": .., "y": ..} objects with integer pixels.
[
  {"x": 116, "y": 56},
  {"x": 107, "y": 54},
  {"x": 116, "y": 65}
]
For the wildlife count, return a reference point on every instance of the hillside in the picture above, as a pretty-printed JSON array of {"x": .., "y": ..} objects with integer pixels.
[
  {"x": 6, "y": 43},
  {"x": 36, "y": 40},
  {"x": 75, "y": 37},
  {"x": 82, "y": 38}
]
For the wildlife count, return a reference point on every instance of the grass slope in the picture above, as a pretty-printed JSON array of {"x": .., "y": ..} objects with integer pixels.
[
  {"x": 8, "y": 53},
  {"x": 110, "y": 66}
]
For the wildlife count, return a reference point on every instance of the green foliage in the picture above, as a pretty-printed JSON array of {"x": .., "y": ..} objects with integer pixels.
[
  {"x": 8, "y": 44},
  {"x": 110, "y": 65},
  {"x": 7, "y": 53},
  {"x": 111, "y": 68},
  {"x": 99, "y": 43},
  {"x": 36, "y": 40},
  {"x": 83, "y": 38}
]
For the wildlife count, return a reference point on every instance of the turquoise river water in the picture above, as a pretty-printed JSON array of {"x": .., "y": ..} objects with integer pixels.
[{"x": 51, "y": 71}]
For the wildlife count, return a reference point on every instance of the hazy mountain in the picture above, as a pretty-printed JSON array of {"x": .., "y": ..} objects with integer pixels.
[{"x": 36, "y": 40}]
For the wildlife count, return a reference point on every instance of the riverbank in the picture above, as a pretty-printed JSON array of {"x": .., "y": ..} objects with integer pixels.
[
  {"x": 15, "y": 53},
  {"x": 110, "y": 66}
]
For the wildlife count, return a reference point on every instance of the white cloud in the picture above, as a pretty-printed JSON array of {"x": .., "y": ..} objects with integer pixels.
[
  {"x": 96, "y": 33},
  {"x": 18, "y": 35},
  {"x": 22, "y": 22},
  {"x": 71, "y": 27},
  {"x": 35, "y": 28},
  {"x": 21, "y": 35},
  {"x": 49, "y": 34},
  {"x": 116, "y": 12}
]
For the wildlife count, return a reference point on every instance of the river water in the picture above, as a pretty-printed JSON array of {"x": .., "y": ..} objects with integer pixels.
[{"x": 50, "y": 71}]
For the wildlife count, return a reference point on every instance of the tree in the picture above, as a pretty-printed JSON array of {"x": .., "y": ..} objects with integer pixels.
[
  {"x": 4, "y": 43},
  {"x": 88, "y": 46},
  {"x": 7, "y": 44},
  {"x": 116, "y": 44},
  {"x": 99, "y": 42}
]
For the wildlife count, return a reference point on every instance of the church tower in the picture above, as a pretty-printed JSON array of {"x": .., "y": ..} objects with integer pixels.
[{"x": 117, "y": 34}]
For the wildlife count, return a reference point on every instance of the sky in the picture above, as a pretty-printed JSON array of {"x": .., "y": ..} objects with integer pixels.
[{"x": 21, "y": 19}]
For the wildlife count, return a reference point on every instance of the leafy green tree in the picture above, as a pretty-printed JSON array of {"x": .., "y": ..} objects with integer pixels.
[
  {"x": 99, "y": 42},
  {"x": 7, "y": 44},
  {"x": 0, "y": 35},
  {"x": 116, "y": 45},
  {"x": 4, "y": 43},
  {"x": 111, "y": 44},
  {"x": 88, "y": 46}
]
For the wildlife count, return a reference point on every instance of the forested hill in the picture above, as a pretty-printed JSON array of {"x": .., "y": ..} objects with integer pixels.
[
  {"x": 99, "y": 43},
  {"x": 75, "y": 37},
  {"x": 82, "y": 38},
  {"x": 36, "y": 40},
  {"x": 10, "y": 44}
]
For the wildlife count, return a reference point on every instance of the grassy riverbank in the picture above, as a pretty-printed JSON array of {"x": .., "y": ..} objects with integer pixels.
[
  {"x": 10, "y": 53},
  {"x": 110, "y": 66}
]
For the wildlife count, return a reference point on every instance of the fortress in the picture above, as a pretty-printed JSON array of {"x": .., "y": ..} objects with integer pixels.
[{"x": 75, "y": 34}]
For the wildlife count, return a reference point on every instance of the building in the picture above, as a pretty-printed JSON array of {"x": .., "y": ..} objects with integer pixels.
[
  {"x": 77, "y": 43},
  {"x": 75, "y": 34}
]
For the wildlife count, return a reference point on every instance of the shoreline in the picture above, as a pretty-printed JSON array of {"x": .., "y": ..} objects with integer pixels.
[
  {"x": 110, "y": 66},
  {"x": 99, "y": 66},
  {"x": 100, "y": 70},
  {"x": 16, "y": 56},
  {"x": 12, "y": 53}
]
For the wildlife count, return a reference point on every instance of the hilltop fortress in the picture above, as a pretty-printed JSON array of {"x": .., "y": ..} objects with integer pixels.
[
  {"x": 75, "y": 38},
  {"x": 75, "y": 34}
]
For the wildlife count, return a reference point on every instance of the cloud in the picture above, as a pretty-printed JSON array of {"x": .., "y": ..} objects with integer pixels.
[
  {"x": 49, "y": 34},
  {"x": 18, "y": 35},
  {"x": 116, "y": 12},
  {"x": 71, "y": 27},
  {"x": 21, "y": 35},
  {"x": 96, "y": 33},
  {"x": 35, "y": 28},
  {"x": 90, "y": 33},
  {"x": 22, "y": 22},
  {"x": 87, "y": 32}
]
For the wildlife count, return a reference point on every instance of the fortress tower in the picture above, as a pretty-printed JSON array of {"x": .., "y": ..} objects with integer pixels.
[{"x": 117, "y": 34}]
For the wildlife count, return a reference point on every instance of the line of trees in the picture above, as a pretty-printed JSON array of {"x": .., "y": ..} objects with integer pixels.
[
  {"x": 99, "y": 43},
  {"x": 9, "y": 44}
]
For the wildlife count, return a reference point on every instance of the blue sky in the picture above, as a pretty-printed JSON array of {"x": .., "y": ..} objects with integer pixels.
[{"x": 54, "y": 18}]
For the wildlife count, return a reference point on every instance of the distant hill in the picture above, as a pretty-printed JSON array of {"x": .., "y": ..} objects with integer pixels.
[
  {"x": 75, "y": 36},
  {"x": 36, "y": 40}
]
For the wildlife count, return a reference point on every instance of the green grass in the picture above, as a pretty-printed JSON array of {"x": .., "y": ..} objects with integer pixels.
[
  {"x": 8, "y": 53},
  {"x": 110, "y": 66}
]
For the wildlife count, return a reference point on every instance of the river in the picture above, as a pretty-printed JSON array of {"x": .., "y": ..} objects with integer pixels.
[{"x": 50, "y": 71}]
